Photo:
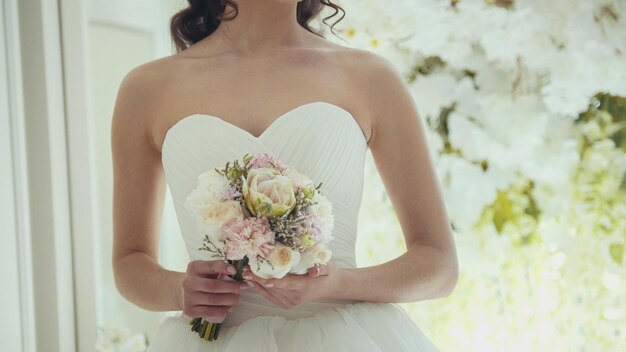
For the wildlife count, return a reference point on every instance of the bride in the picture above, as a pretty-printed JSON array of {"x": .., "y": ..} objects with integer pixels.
[{"x": 251, "y": 75}]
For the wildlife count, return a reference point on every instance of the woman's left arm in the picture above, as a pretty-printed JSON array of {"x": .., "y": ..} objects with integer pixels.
[{"x": 429, "y": 267}]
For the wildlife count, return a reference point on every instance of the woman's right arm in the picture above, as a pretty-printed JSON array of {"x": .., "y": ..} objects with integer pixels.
[{"x": 138, "y": 195}]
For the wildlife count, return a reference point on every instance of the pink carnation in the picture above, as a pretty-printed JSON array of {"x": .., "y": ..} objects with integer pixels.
[
  {"x": 260, "y": 160},
  {"x": 251, "y": 237}
]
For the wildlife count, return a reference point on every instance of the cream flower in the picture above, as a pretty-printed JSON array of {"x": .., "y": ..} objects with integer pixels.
[
  {"x": 281, "y": 260},
  {"x": 221, "y": 213},
  {"x": 268, "y": 193},
  {"x": 210, "y": 189}
]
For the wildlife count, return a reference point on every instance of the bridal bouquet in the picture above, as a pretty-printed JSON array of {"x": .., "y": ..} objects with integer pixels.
[{"x": 264, "y": 213}]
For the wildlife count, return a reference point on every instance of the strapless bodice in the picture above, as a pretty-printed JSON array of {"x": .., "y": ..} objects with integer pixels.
[{"x": 319, "y": 139}]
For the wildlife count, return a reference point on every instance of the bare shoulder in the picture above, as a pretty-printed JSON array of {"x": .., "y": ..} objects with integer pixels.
[
  {"x": 372, "y": 73},
  {"x": 140, "y": 87},
  {"x": 379, "y": 87},
  {"x": 141, "y": 79},
  {"x": 148, "y": 79}
]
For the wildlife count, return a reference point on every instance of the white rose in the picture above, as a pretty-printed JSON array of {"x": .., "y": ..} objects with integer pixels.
[
  {"x": 220, "y": 213},
  {"x": 282, "y": 259},
  {"x": 209, "y": 190},
  {"x": 316, "y": 255}
]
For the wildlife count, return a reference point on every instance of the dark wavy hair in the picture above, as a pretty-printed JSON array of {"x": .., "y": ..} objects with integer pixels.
[{"x": 202, "y": 17}]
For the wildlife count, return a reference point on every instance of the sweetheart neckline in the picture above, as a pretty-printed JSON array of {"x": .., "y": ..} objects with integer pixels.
[{"x": 268, "y": 128}]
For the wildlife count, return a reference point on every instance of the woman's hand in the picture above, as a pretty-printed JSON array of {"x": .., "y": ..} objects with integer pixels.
[
  {"x": 205, "y": 294},
  {"x": 293, "y": 290}
]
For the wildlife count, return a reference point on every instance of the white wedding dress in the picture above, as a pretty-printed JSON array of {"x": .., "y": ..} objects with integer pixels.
[{"x": 325, "y": 142}]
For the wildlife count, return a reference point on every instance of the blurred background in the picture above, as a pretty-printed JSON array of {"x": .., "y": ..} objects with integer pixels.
[{"x": 525, "y": 108}]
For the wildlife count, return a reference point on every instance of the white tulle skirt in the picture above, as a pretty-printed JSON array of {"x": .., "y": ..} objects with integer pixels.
[{"x": 361, "y": 326}]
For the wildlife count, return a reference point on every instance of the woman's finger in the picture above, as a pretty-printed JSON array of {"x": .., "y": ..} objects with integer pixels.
[
  {"x": 214, "y": 285},
  {"x": 313, "y": 271},
  {"x": 318, "y": 270},
  {"x": 256, "y": 278}
]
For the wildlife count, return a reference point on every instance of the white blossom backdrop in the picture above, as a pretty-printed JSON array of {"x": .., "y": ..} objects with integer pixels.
[{"x": 526, "y": 117}]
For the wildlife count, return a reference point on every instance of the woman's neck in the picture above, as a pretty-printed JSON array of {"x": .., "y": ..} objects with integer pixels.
[{"x": 261, "y": 27}]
